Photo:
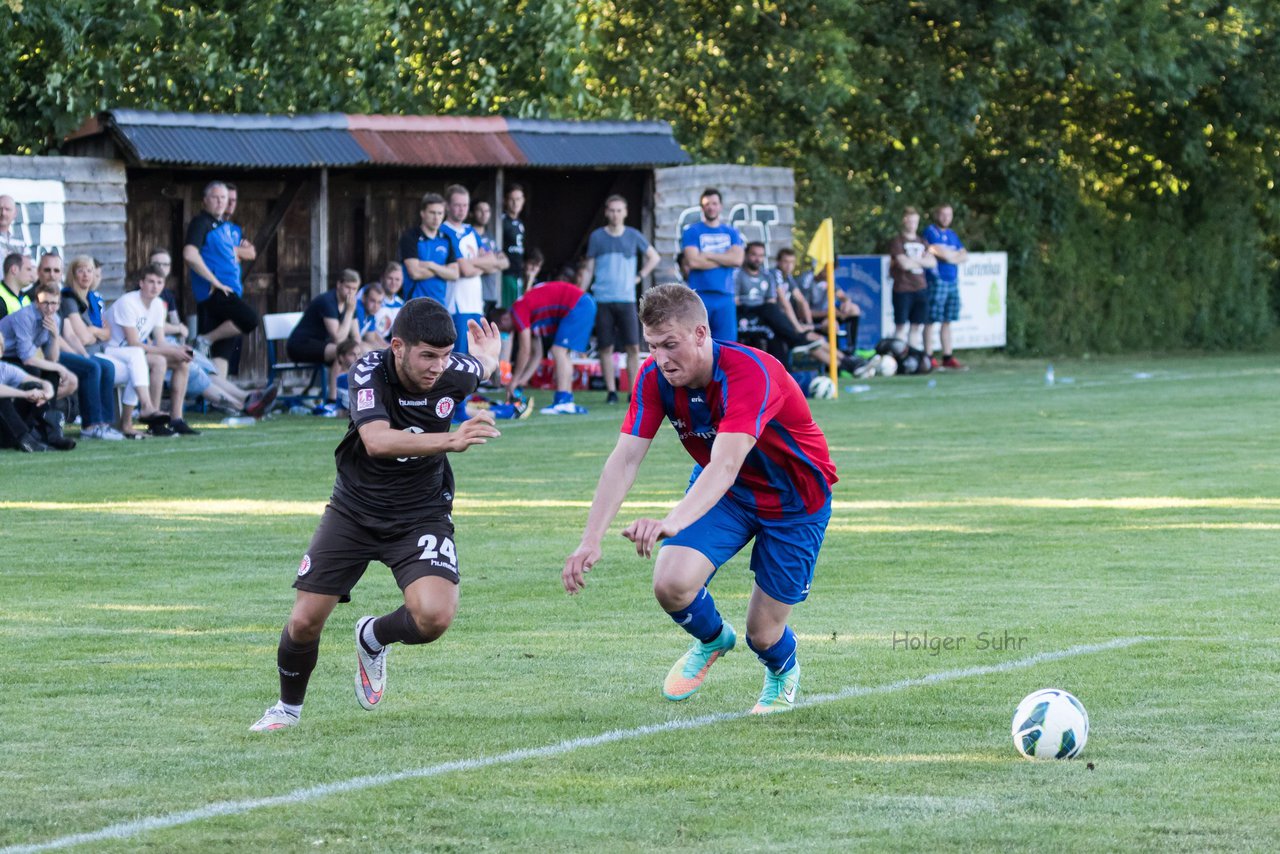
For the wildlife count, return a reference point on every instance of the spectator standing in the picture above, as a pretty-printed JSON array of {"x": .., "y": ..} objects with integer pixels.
[
  {"x": 944, "y": 285},
  {"x": 329, "y": 320},
  {"x": 513, "y": 245},
  {"x": 565, "y": 312},
  {"x": 245, "y": 250},
  {"x": 211, "y": 254},
  {"x": 11, "y": 242},
  {"x": 429, "y": 257},
  {"x": 613, "y": 272},
  {"x": 713, "y": 250},
  {"x": 491, "y": 283},
  {"x": 464, "y": 296},
  {"x": 909, "y": 259},
  {"x": 137, "y": 319},
  {"x": 19, "y": 273}
]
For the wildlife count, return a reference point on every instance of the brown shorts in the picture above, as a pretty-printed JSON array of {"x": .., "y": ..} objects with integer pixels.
[{"x": 342, "y": 547}]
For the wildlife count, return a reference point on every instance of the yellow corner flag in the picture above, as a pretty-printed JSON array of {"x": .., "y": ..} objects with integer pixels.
[
  {"x": 823, "y": 252},
  {"x": 822, "y": 247}
]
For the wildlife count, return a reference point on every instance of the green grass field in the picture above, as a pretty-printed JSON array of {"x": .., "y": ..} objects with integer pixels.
[{"x": 145, "y": 585}]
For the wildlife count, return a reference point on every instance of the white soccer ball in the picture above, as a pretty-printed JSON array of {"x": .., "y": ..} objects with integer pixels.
[
  {"x": 822, "y": 388},
  {"x": 1050, "y": 724},
  {"x": 888, "y": 366}
]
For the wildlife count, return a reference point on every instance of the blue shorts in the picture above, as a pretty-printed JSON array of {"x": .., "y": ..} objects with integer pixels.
[
  {"x": 574, "y": 331},
  {"x": 722, "y": 315},
  {"x": 785, "y": 552},
  {"x": 944, "y": 301},
  {"x": 460, "y": 323}
]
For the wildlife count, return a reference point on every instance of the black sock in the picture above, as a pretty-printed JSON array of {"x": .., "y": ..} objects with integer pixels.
[
  {"x": 295, "y": 662},
  {"x": 852, "y": 325},
  {"x": 398, "y": 627}
]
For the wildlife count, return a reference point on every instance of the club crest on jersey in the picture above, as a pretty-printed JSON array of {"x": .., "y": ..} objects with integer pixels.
[
  {"x": 305, "y": 566},
  {"x": 364, "y": 399},
  {"x": 444, "y": 407}
]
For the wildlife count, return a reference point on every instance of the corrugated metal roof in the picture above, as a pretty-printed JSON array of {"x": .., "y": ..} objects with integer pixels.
[
  {"x": 335, "y": 139},
  {"x": 411, "y": 148},
  {"x": 253, "y": 141},
  {"x": 567, "y": 143}
]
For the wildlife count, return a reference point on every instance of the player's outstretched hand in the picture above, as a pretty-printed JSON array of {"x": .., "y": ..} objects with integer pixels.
[
  {"x": 576, "y": 567},
  {"x": 484, "y": 340},
  {"x": 475, "y": 431},
  {"x": 645, "y": 533}
]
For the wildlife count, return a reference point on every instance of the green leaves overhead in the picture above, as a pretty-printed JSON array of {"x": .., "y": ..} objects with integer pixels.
[{"x": 1044, "y": 121}]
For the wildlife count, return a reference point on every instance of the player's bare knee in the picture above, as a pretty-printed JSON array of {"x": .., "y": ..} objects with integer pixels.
[
  {"x": 672, "y": 592},
  {"x": 432, "y": 622},
  {"x": 305, "y": 628},
  {"x": 763, "y": 636}
]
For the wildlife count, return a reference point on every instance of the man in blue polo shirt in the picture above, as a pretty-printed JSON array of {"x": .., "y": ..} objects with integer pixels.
[
  {"x": 429, "y": 256},
  {"x": 210, "y": 252},
  {"x": 713, "y": 251},
  {"x": 944, "y": 285}
]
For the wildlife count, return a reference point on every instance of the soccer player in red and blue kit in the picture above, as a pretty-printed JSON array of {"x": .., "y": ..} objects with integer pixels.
[
  {"x": 763, "y": 471},
  {"x": 565, "y": 312}
]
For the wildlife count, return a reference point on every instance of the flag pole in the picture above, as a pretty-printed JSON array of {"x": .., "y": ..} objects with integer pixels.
[{"x": 832, "y": 367}]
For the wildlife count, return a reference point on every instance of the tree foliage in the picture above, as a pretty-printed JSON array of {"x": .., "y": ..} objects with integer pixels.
[{"x": 1123, "y": 151}]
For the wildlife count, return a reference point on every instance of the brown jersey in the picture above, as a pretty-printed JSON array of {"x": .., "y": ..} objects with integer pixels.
[{"x": 391, "y": 493}]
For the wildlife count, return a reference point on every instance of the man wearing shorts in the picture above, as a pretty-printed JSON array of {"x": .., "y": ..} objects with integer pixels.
[
  {"x": 944, "y": 285},
  {"x": 210, "y": 250},
  {"x": 909, "y": 258},
  {"x": 713, "y": 250},
  {"x": 763, "y": 472},
  {"x": 392, "y": 501},
  {"x": 565, "y": 313},
  {"x": 610, "y": 270}
]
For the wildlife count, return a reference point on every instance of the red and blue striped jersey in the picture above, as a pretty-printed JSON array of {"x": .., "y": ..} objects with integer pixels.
[
  {"x": 789, "y": 472},
  {"x": 543, "y": 306}
]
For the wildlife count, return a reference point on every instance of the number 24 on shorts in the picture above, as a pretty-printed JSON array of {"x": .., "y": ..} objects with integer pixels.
[{"x": 428, "y": 542}]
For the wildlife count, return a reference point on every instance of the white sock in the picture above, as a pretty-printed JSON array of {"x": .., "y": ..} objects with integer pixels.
[
  {"x": 370, "y": 642},
  {"x": 296, "y": 711}
]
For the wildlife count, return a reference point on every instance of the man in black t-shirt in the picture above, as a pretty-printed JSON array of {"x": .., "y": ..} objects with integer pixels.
[
  {"x": 513, "y": 244},
  {"x": 392, "y": 501}
]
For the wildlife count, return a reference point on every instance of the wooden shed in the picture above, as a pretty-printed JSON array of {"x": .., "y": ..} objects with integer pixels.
[
  {"x": 71, "y": 206},
  {"x": 320, "y": 193}
]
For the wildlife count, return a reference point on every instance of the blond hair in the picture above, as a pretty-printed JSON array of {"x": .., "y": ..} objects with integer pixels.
[{"x": 666, "y": 303}]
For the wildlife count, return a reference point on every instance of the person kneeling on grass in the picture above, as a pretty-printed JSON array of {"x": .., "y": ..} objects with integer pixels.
[{"x": 392, "y": 502}]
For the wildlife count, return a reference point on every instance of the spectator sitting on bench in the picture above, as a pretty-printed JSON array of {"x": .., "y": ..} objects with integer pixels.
[
  {"x": 329, "y": 320},
  {"x": 24, "y": 400},
  {"x": 137, "y": 320}
]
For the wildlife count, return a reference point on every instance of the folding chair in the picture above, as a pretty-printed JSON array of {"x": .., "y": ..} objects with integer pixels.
[{"x": 277, "y": 327}]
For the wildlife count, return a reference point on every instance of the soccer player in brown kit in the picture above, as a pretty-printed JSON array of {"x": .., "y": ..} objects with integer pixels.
[{"x": 392, "y": 501}]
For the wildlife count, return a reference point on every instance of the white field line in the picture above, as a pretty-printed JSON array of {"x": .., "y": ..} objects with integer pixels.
[{"x": 130, "y": 829}]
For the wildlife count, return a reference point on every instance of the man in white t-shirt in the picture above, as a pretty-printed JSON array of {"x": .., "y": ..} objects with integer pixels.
[
  {"x": 137, "y": 320},
  {"x": 464, "y": 296}
]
